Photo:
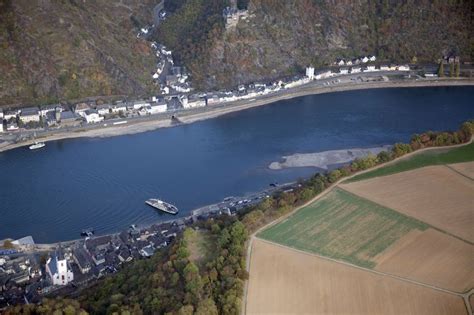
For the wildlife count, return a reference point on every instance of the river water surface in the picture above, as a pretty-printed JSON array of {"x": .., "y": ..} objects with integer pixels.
[{"x": 55, "y": 192}]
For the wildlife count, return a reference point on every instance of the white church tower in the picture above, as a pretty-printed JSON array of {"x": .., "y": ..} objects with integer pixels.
[
  {"x": 58, "y": 269},
  {"x": 310, "y": 72}
]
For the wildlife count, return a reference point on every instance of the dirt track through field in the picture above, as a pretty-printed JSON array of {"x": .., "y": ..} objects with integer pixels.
[
  {"x": 284, "y": 281},
  {"x": 436, "y": 195},
  {"x": 466, "y": 169},
  {"x": 431, "y": 257}
]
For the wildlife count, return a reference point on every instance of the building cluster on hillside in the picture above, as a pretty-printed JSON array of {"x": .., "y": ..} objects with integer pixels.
[
  {"x": 356, "y": 67},
  {"x": 175, "y": 96},
  {"x": 28, "y": 272},
  {"x": 23, "y": 278}
]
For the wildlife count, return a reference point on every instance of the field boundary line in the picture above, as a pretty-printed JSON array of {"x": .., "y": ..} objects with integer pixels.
[
  {"x": 458, "y": 172},
  {"x": 430, "y": 226},
  {"x": 324, "y": 193},
  {"x": 380, "y": 273}
]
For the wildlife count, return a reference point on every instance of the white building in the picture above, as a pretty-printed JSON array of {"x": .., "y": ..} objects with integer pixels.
[
  {"x": 365, "y": 59},
  {"x": 193, "y": 101},
  {"x": 344, "y": 71},
  {"x": 44, "y": 110},
  {"x": 120, "y": 107},
  {"x": 81, "y": 108},
  {"x": 404, "y": 68},
  {"x": 29, "y": 114},
  {"x": 58, "y": 270},
  {"x": 356, "y": 70},
  {"x": 158, "y": 107},
  {"x": 103, "y": 109},
  {"x": 140, "y": 104},
  {"x": 1, "y": 120},
  {"x": 341, "y": 62},
  {"x": 213, "y": 99},
  {"x": 384, "y": 68},
  {"x": 349, "y": 63},
  {"x": 92, "y": 116},
  {"x": 11, "y": 114},
  {"x": 310, "y": 72},
  {"x": 324, "y": 75},
  {"x": 370, "y": 69}
]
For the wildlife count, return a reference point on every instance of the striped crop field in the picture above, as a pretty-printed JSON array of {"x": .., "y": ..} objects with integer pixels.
[{"x": 343, "y": 226}]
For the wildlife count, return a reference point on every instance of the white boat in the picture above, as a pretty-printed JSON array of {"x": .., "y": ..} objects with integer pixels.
[
  {"x": 161, "y": 205},
  {"x": 37, "y": 145}
]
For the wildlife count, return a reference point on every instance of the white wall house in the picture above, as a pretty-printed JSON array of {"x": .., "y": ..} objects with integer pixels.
[
  {"x": 92, "y": 116},
  {"x": 404, "y": 68},
  {"x": 324, "y": 75},
  {"x": 119, "y": 108},
  {"x": 47, "y": 109},
  {"x": 384, "y": 68},
  {"x": 11, "y": 114},
  {"x": 81, "y": 108},
  {"x": 140, "y": 104},
  {"x": 29, "y": 114},
  {"x": 365, "y": 59},
  {"x": 341, "y": 62},
  {"x": 103, "y": 109},
  {"x": 196, "y": 102},
  {"x": 370, "y": 69},
  {"x": 310, "y": 72},
  {"x": 59, "y": 271},
  {"x": 343, "y": 71},
  {"x": 157, "y": 108},
  {"x": 372, "y": 58},
  {"x": 356, "y": 70}
]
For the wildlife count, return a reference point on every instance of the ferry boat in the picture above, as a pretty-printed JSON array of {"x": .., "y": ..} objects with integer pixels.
[
  {"x": 87, "y": 232},
  {"x": 37, "y": 145},
  {"x": 161, "y": 205}
]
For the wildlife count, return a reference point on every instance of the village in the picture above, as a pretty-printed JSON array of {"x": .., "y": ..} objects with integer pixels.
[
  {"x": 30, "y": 271},
  {"x": 176, "y": 95}
]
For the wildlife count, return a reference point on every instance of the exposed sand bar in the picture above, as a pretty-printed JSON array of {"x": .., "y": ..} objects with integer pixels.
[
  {"x": 324, "y": 160},
  {"x": 191, "y": 116}
]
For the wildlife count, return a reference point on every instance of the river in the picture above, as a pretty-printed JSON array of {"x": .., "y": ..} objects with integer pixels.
[{"x": 55, "y": 192}]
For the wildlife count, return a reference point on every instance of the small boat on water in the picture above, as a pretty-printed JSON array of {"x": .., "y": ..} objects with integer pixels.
[
  {"x": 37, "y": 145},
  {"x": 87, "y": 232},
  {"x": 162, "y": 206}
]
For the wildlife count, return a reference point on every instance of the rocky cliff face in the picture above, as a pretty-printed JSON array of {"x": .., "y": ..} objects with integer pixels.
[
  {"x": 68, "y": 49},
  {"x": 52, "y": 49},
  {"x": 282, "y": 37}
]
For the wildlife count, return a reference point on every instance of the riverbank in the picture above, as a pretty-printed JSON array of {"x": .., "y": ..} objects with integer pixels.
[
  {"x": 191, "y": 116},
  {"x": 327, "y": 159}
]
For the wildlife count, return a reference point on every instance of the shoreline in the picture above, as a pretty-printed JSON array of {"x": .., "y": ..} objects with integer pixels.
[{"x": 190, "y": 116}]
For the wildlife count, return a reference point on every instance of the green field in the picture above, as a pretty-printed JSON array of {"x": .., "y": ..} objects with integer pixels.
[
  {"x": 343, "y": 226},
  {"x": 436, "y": 157}
]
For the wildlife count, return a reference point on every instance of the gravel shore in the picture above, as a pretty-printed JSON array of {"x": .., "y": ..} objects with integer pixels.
[{"x": 324, "y": 160}]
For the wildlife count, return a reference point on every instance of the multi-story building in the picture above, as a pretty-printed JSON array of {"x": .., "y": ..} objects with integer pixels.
[{"x": 59, "y": 270}]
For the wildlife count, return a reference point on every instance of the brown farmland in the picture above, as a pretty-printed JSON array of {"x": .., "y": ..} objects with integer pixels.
[
  {"x": 431, "y": 257},
  {"x": 466, "y": 168},
  {"x": 436, "y": 195},
  {"x": 284, "y": 281}
]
